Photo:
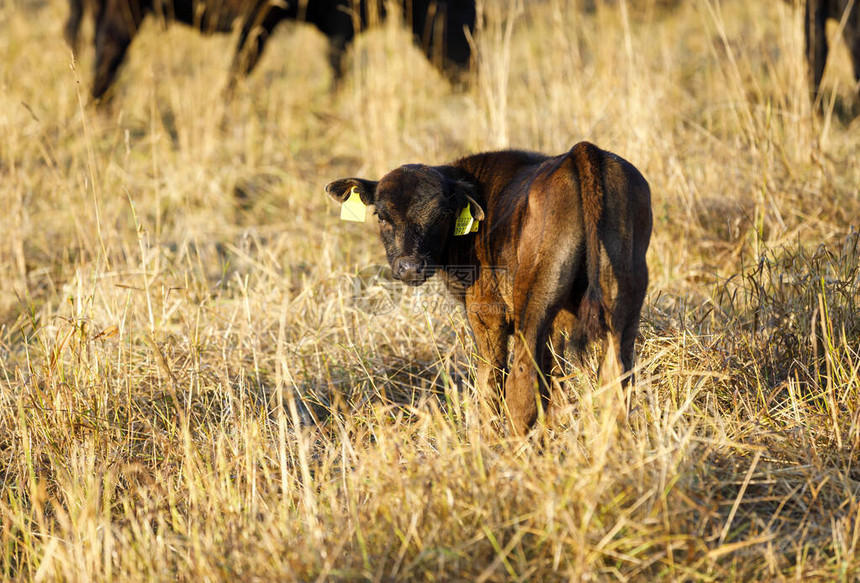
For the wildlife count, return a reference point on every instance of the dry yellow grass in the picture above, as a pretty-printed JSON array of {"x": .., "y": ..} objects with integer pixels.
[{"x": 188, "y": 389}]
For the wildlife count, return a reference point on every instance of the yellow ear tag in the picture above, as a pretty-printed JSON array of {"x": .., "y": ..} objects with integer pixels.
[
  {"x": 352, "y": 208},
  {"x": 466, "y": 223},
  {"x": 474, "y": 228}
]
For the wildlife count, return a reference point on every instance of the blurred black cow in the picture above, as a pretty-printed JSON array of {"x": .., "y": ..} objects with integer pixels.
[
  {"x": 817, "y": 13},
  {"x": 441, "y": 27}
]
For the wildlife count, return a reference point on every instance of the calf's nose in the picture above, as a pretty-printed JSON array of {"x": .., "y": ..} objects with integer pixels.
[{"x": 409, "y": 269}]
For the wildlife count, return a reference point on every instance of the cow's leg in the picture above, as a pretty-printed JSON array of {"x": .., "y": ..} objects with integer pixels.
[
  {"x": 564, "y": 334},
  {"x": 525, "y": 383},
  {"x": 491, "y": 339},
  {"x": 852, "y": 39},
  {"x": 559, "y": 338},
  {"x": 612, "y": 366},
  {"x": 616, "y": 368},
  {"x": 540, "y": 290},
  {"x": 439, "y": 28},
  {"x": 116, "y": 26},
  {"x": 631, "y": 312},
  {"x": 256, "y": 29},
  {"x": 336, "y": 50},
  {"x": 339, "y": 28},
  {"x": 73, "y": 24},
  {"x": 816, "y": 41},
  {"x": 536, "y": 303},
  {"x": 626, "y": 346}
]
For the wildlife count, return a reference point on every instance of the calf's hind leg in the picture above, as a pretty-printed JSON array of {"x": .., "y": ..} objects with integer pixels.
[
  {"x": 524, "y": 385},
  {"x": 616, "y": 369},
  {"x": 540, "y": 289},
  {"x": 491, "y": 339},
  {"x": 559, "y": 338}
]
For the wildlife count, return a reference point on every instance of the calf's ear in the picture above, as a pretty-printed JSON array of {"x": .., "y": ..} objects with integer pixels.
[
  {"x": 466, "y": 192},
  {"x": 341, "y": 189}
]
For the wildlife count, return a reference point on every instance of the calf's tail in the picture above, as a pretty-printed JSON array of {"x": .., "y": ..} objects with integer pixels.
[{"x": 588, "y": 161}]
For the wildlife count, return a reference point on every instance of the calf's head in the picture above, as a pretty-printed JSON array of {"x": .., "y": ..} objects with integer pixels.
[{"x": 417, "y": 208}]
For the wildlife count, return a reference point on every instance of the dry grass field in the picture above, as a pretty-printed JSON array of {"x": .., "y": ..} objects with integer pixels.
[{"x": 190, "y": 388}]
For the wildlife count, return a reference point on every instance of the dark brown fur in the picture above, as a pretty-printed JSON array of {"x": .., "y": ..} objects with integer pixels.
[
  {"x": 440, "y": 28},
  {"x": 558, "y": 259},
  {"x": 817, "y": 14}
]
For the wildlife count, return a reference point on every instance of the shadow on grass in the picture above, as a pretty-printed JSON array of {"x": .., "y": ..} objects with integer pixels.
[{"x": 400, "y": 387}]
